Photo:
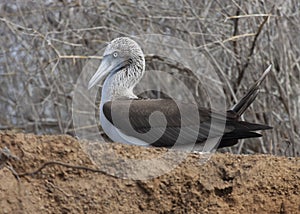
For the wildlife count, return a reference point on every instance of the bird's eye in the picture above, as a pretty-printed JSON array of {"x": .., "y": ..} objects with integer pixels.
[{"x": 115, "y": 54}]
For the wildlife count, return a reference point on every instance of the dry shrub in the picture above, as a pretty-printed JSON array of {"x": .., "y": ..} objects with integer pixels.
[{"x": 45, "y": 44}]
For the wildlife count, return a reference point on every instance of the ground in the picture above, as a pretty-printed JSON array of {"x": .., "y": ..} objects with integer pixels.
[{"x": 226, "y": 183}]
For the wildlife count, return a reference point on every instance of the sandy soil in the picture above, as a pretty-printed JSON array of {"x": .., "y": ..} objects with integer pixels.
[{"x": 225, "y": 184}]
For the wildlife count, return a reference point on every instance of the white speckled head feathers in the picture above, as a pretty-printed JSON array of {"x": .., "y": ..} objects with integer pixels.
[
  {"x": 122, "y": 67},
  {"x": 124, "y": 46}
]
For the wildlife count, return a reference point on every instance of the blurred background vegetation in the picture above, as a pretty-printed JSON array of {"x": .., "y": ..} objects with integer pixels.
[{"x": 45, "y": 44}]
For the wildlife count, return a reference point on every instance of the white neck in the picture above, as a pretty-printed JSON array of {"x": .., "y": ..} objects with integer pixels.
[
  {"x": 121, "y": 84},
  {"x": 113, "y": 89}
]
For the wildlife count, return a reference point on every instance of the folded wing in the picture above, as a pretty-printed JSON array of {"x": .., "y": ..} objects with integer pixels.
[{"x": 163, "y": 122}]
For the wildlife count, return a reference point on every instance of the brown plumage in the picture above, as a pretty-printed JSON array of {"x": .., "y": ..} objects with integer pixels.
[{"x": 123, "y": 114}]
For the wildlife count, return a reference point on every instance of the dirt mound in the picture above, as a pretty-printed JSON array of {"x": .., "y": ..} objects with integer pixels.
[{"x": 226, "y": 183}]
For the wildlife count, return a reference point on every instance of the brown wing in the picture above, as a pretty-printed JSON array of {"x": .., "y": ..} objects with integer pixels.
[
  {"x": 171, "y": 114},
  {"x": 165, "y": 119}
]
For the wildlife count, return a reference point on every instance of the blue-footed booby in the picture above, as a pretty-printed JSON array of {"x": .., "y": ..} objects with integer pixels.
[{"x": 127, "y": 119}]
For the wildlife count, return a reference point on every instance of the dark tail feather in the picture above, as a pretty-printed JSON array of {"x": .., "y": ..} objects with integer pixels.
[
  {"x": 246, "y": 101},
  {"x": 232, "y": 138},
  {"x": 240, "y": 135},
  {"x": 246, "y": 126}
]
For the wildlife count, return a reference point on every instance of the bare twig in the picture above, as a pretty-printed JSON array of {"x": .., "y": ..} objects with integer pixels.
[
  {"x": 251, "y": 51},
  {"x": 51, "y": 163}
]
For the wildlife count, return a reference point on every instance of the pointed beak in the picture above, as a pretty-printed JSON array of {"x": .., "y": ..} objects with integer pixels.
[
  {"x": 109, "y": 65},
  {"x": 102, "y": 72}
]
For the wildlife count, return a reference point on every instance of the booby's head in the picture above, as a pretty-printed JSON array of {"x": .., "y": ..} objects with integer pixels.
[{"x": 122, "y": 67}]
